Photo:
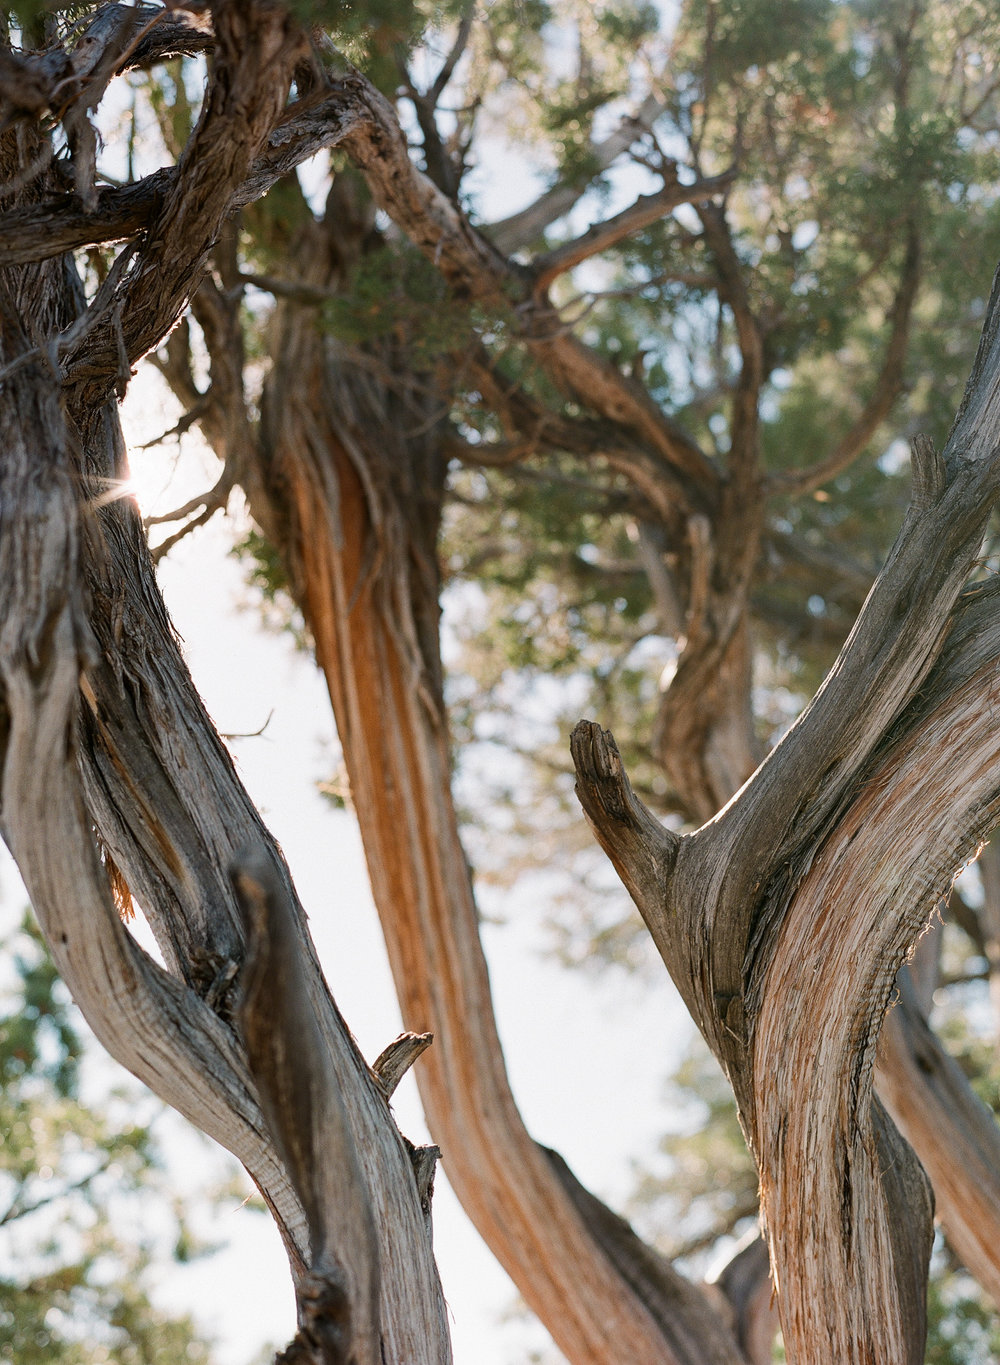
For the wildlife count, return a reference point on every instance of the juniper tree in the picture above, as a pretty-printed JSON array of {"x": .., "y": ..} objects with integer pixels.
[{"x": 642, "y": 417}]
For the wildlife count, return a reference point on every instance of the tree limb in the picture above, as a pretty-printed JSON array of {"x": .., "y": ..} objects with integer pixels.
[
  {"x": 746, "y": 1283},
  {"x": 745, "y": 422},
  {"x": 475, "y": 269},
  {"x": 956, "y": 1137},
  {"x": 256, "y": 49},
  {"x": 61, "y": 223},
  {"x": 153, "y": 1024},
  {"x": 886, "y": 390},
  {"x": 642, "y": 850},
  {"x": 787, "y": 916},
  {"x": 682, "y": 1309},
  {"x": 521, "y": 228},
  {"x": 307, "y": 1120},
  {"x": 647, "y": 209}
]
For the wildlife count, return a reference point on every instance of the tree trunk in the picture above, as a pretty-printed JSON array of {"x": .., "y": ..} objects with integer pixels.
[
  {"x": 784, "y": 920},
  {"x": 357, "y": 504},
  {"x": 100, "y": 728},
  {"x": 927, "y": 1094}
]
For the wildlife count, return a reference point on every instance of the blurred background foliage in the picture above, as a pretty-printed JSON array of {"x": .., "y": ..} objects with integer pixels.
[{"x": 88, "y": 1207}]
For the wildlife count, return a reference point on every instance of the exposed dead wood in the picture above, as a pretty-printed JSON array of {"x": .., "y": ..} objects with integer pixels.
[
  {"x": 784, "y": 920},
  {"x": 393, "y": 1062},
  {"x": 363, "y": 562},
  {"x": 100, "y": 725},
  {"x": 308, "y": 1123},
  {"x": 166, "y": 798},
  {"x": 154, "y": 1024}
]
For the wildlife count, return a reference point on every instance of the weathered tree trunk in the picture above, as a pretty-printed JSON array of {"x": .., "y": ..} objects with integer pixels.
[
  {"x": 340, "y": 504},
  {"x": 927, "y": 1094},
  {"x": 101, "y": 729},
  {"x": 784, "y": 921},
  {"x": 357, "y": 505}
]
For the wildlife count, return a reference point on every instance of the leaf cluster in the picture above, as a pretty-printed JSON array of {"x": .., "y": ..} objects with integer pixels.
[{"x": 398, "y": 296}]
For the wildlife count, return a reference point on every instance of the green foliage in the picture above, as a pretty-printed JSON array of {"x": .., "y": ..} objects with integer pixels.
[
  {"x": 382, "y": 23},
  {"x": 743, "y": 34},
  {"x": 851, "y": 127},
  {"x": 962, "y": 1326},
  {"x": 398, "y": 296},
  {"x": 32, "y": 17},
  {"x": 74, "y": 1181},
  {"x": 269, "y": 587},
  {"x": 548, "y": 72},
  {"x": 174, "y": 110}
]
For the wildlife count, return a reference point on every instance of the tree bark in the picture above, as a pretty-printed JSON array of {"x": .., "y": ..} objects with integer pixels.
[
  {"x": 357, "y": 505},
  {"x": 784, "y": 920},
  {"x": 927, "y": 1093},
  {"x": 111, "y": 775}
]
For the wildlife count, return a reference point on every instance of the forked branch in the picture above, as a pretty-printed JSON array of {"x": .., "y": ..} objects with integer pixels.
[{"x": 647, "y": 209}]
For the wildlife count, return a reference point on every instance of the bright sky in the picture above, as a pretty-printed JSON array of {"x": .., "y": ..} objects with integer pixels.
[{"x": 587, "y": 1058}]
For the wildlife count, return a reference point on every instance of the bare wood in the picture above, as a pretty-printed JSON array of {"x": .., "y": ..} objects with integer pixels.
[
  {"x": 690, "y": 1328},
  {"x": 307, "y": 1119},
  {"x": 61, "y": 223},
  {"x": 256, "y": 49},
  {"x": 745, "y": 1282},
  {"x": 155, "y": 1025},
  {"x": 394, "y": 1061},
  {"x": 362, "y": 560},
  {"x": 834, "y": 965},
  {"x": 178, "y": 872},
  {"x": 82, "y": 621},
  {"x": 784, "y": 919},
  {"x": 642, "y": 850}
]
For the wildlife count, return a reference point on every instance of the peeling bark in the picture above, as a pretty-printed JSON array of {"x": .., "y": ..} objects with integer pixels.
[
  {"x": 785, "y": 943},
  {"x": 783, "y": 919},
  {"x": 347, "y": 485},
  {"x": 927, "y": 1094},
  {"x": 100, "y": 727}
]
